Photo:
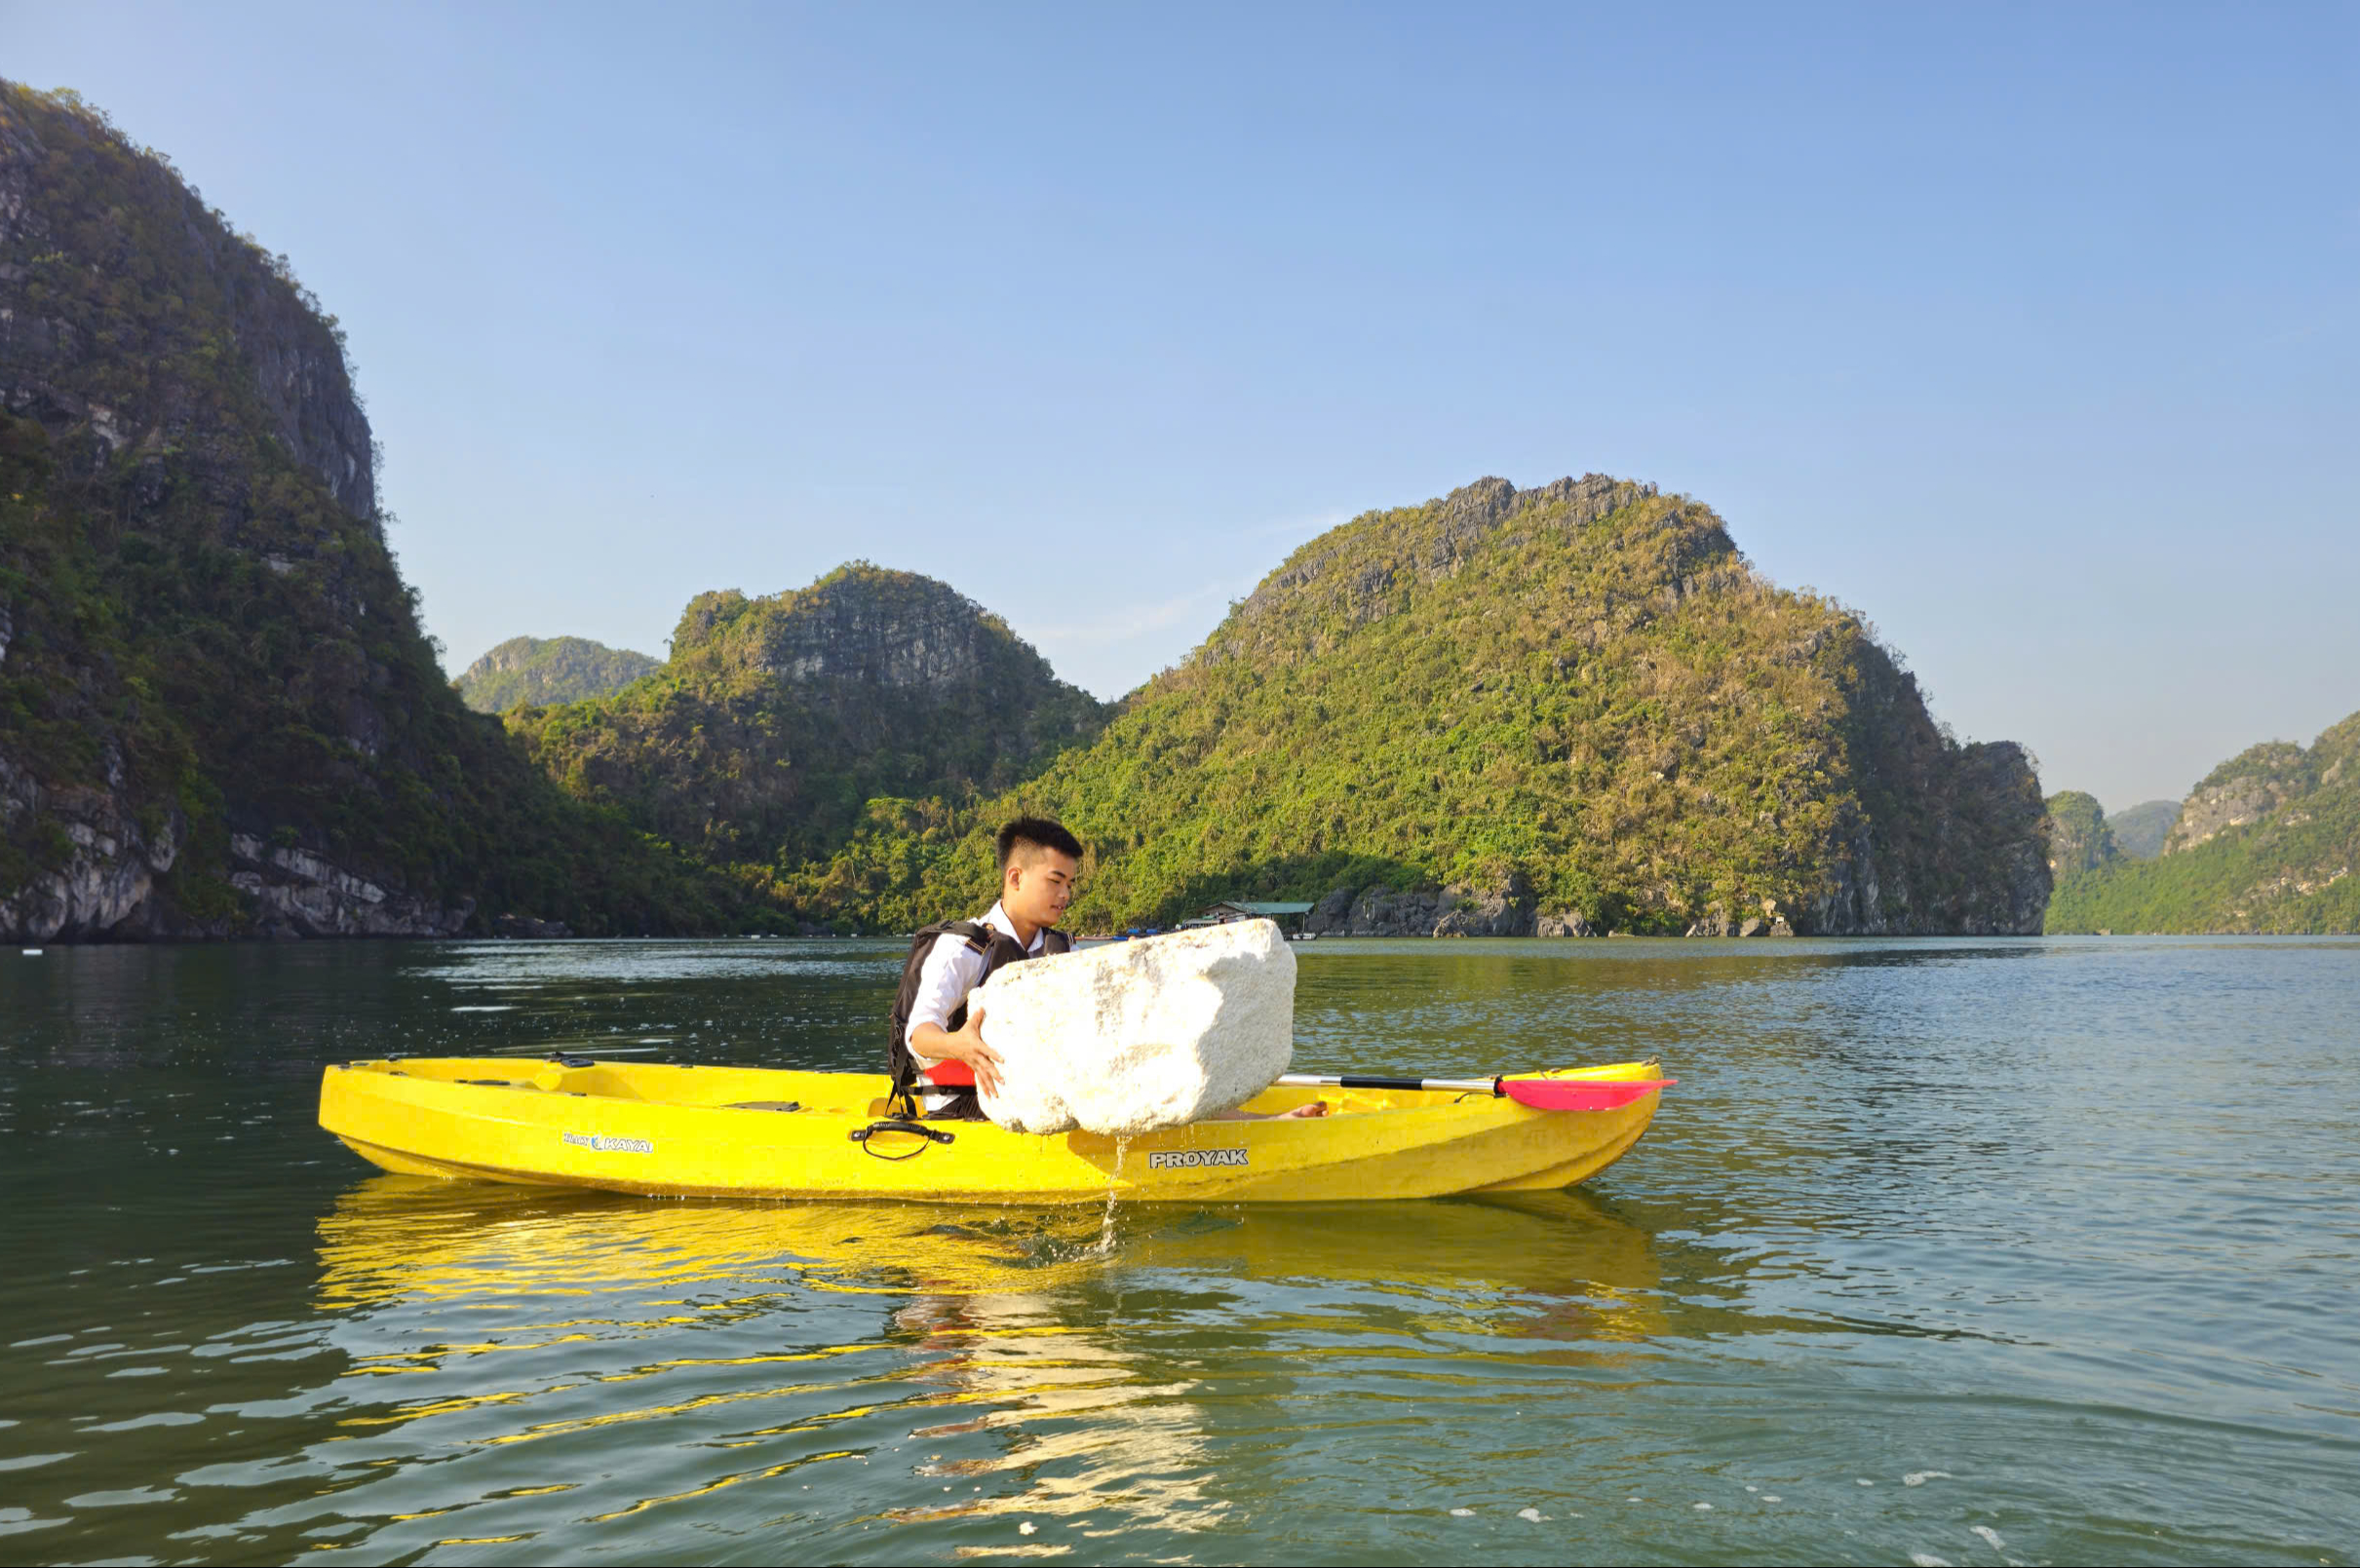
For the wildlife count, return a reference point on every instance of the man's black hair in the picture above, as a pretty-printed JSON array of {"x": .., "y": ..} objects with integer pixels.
[{"x": 1039, "y": 831}]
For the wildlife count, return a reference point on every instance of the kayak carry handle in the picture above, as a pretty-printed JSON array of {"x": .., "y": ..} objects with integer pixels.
[{"x": 931, "y": 1134}]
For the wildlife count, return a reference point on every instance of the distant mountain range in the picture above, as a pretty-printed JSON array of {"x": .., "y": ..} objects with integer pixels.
[
  {"x": 1562, "y": 710},
  {"x": 2268, "y": 842},
  {"x": 532, "y": 672}
]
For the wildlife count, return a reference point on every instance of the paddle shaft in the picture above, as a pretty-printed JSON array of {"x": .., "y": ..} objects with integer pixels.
[
  {"x": 1453, "y": 1086},
  {"x": 1533, "y": 1093}
]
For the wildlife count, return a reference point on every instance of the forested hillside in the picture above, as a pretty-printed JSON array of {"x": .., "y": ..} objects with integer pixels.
[
  {"x": 777, "y": 719},
  {"x": 532, "y": 672},
  {"x": 2267, "y": 843},
  {"x": 217, "y": 713},
  {"x": 1565, "y": 708},
  {"x": 2080, "y": 838}
]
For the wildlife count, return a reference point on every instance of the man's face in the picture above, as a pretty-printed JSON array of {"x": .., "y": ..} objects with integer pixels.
[{"x": 1037, "y": 884}]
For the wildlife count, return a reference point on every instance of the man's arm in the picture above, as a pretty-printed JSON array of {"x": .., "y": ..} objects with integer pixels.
[
  {"x": 931, "y": 1041},
  {"x": 950, "y": 972}
]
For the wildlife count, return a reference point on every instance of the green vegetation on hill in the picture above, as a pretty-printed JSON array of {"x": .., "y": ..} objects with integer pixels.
[
  {"x": 218, "y": 712},
  {"x": 2079, "y": 839},
  {"x": 533, "y": 672},
  {"x": 2140, "y": 830},
  {"x": 2269, "y": 842},
  {"x": 777, "y": 720},
  {"x": 1584, "y": 688}
]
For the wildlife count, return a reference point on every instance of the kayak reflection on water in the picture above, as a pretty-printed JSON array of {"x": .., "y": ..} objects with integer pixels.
[
  {"x": 1047, "y": 1364},
  {"x": 426, "y": 1241}
]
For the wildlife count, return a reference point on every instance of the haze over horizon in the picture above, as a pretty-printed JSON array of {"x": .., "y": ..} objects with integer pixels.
[{"x": 2029, "y": 334}]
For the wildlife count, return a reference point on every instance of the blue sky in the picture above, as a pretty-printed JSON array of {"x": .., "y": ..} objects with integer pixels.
[{"x": 2032, "y": 332}]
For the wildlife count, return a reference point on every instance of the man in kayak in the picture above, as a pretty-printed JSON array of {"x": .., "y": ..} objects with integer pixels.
[
  {"x": 939, "y": 1055},
  {"x": 940, "y": 1058}
]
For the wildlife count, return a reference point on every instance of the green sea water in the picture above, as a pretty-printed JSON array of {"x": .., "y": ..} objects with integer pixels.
[{"x": 1961, "y": 1251}]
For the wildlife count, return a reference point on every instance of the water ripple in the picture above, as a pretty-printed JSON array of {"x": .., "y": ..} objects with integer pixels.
[{"x": 1942, "y": 1251}]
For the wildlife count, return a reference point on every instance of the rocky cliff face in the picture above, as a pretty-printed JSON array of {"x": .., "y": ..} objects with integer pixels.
[
  {"x": 1940, "y": 838},
  {"x": 106, "y": 873},
  {"x": 217, "y": 713},
  {"x": 151, "y": 364},
  {"x": 100, "y": 378},
  {"x": 858, "y": 630},
  {"x": 2246, "y": 789}
]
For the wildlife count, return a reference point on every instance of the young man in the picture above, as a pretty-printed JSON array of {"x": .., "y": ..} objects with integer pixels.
[
  {"x": 938, "y": 1053},
  {"x": 940, "y": 1058}
]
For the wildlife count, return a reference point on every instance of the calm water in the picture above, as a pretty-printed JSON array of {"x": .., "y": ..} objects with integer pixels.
[{"x": 1970, "y": 1251}]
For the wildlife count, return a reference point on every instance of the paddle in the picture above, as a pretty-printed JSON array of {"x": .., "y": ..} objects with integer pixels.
[{"x": 1540, "y": 1093}]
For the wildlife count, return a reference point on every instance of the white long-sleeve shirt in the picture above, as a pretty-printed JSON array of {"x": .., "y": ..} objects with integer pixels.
[{"x": 952, "y": 967}]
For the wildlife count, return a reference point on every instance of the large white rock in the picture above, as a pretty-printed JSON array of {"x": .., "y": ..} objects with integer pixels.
[{"x": 1137, "y": 1035}]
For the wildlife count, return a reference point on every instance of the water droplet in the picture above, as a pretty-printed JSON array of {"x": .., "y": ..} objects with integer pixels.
[
  {"x": 1989, "y": 1535},
  {"x": 1919, "y": 1477},
  {"x": 1463, "y": 1513},
  {"x": 1534, "y": 1515}
]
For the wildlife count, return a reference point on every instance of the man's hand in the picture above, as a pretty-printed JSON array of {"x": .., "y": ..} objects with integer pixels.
[{"x": 966, "y": 1046}]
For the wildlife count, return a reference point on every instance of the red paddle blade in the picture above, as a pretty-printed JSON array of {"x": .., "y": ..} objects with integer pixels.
[{"x": 1580, "y": 1094}]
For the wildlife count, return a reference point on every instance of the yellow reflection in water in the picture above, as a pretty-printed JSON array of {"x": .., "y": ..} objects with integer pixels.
[
  {"x": 1086, "y": 1426},
  {"x": 1005, "y": 1322},
  {"x": 418, "y": 1238}
]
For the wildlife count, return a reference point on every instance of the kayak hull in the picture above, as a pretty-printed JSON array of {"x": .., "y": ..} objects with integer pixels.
[{"x": 751, "y": 1132}]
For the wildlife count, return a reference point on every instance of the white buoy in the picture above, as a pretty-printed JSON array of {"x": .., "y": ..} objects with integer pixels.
[{"x": 32, "y": 952}]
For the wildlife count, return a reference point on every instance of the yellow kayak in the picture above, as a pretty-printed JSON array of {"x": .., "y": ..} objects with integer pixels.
[{"x": 684, "y": 1130}]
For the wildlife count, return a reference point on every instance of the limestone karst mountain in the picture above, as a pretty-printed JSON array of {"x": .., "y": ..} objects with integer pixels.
[
  {"x": 533, "y": 672},
  {"x": 1574, "y": 707},
  {"x": 2268, "y": 842},
  {"x": 218, "y": 712},
  {"x": 778, "y": 720},
  {"x": 2080, "y": 836}
]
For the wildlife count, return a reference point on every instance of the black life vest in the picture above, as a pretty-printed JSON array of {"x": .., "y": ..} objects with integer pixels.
[{"x": 999, "y": 949}]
